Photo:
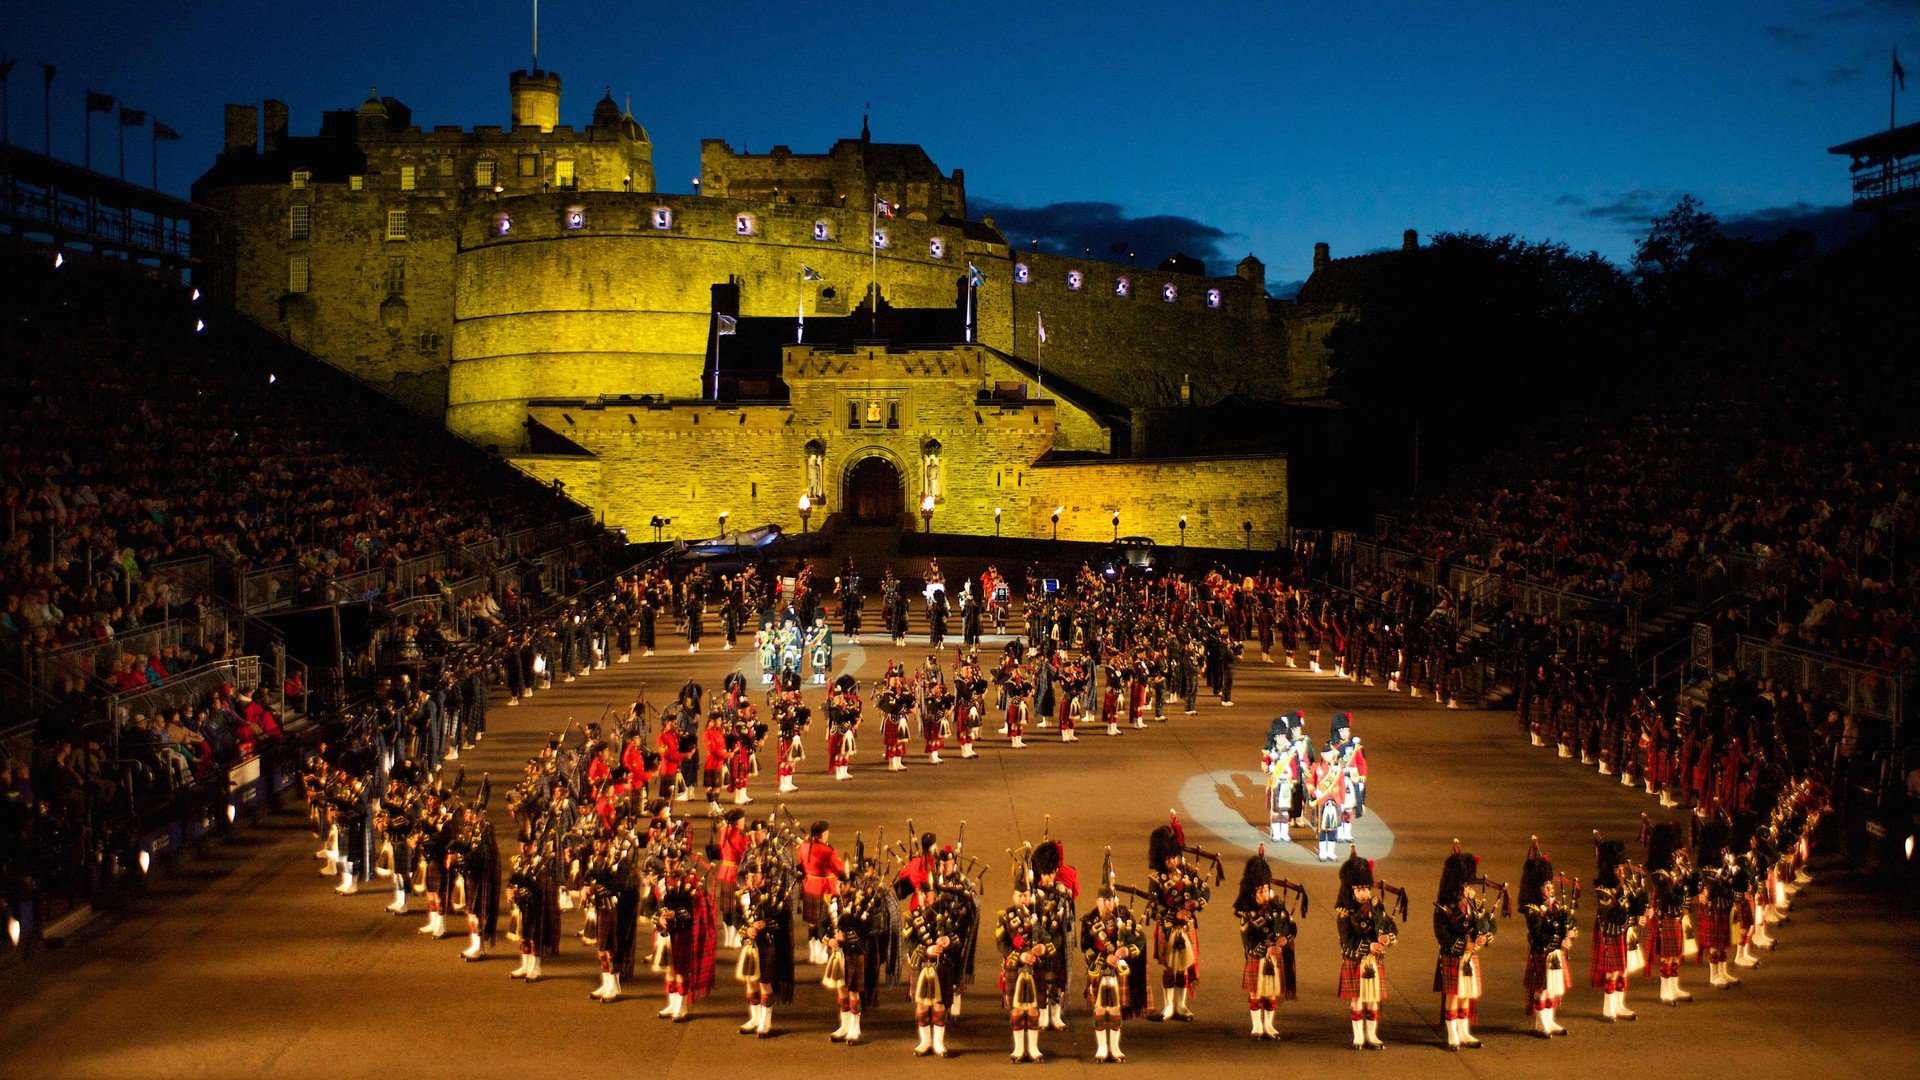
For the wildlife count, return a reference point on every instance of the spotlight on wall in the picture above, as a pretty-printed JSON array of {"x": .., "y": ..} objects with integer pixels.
[
  {"x": 232, "y": 812},
  {"x": 196, "y": 296},
  {"x": 13, "y": 929},
  {"x": 146, "y": 860},
  {"x": 199, "y": 326},
  {"x": 59, "y": 260}
]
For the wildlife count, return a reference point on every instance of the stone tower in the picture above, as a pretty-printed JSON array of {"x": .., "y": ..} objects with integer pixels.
[{"x": 536, "y": 99}]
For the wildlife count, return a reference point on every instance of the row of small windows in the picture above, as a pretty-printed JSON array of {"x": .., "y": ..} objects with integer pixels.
[
  {"x": 485, "y": 173},
  {"x": 1122, "y": 285},
  {"x": 574, "y": 218}
]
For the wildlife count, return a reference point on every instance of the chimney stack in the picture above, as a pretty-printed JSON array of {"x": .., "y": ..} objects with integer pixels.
[
  {"x": 243, "y": 129},
  {"x": 275, "y": 114},
  {"x": 1409, "y": 241},
  {"x": 1322, "y": 255}
]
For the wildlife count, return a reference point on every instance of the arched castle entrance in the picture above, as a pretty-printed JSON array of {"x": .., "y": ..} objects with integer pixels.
[{"x": 875, "y": 491}]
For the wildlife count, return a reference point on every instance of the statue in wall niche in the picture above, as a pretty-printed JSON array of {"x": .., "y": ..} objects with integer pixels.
[
  {"x": 932, "y": 473},
  {"x": 816, "y": 465}
]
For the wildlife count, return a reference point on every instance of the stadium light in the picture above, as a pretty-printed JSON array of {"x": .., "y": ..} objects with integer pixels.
[
  {"x": 1056, "y": 521},
  {"x": 996, "y": 521},
  {"x": 806, "y": 511}
]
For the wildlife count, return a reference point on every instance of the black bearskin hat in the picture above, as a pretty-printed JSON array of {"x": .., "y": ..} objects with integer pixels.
[
  {"x": 1609, "y": 855},
  {"x": 1459, "y": 871},
  {"x": 1535, "y": 876},
  {"x": 1256, "y": 874},
  {"x": 1161, "y": 846},
  {"x": 1663, "y": 843},
  {"x": 1711, "y": 844},
  {"x": 1046, "y": 858},
  {"x": 1106, "y": 877},
  {"x": 1356, "y": 872}
]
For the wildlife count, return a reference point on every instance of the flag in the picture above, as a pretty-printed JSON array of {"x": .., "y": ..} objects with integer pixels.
[
  {"x": 1899, "y": 73},
  {"x": 808, "y": 273},
  {"x": 975, "y": 278},
  {"x": 1042, "y": 319},
  {"x": 97, "y": 102},
  {"x": 884, "y": 208},
  {"x": 728, "y": 325},
  {"x": 163, "y": 132},
  {"x": 132, "y": 117}
]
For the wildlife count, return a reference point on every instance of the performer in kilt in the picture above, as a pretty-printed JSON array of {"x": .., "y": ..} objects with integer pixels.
[
  {"x": 895, "y": 703},
  {"x": 1073, "y": 680},
  {"x": 1025, "y": 943},
  {"x": 478, "y": 854},
  {"x": 1464, "y": 925},
  {"x": 1674, "y": 886},
  {"x": 1056, "y": 887},
  {"x": 682, "y": 913},
  {"x": 1267, "y": 932},
  {"x": 843, "y": 718},
  {"x": 863, "y": 923},
  {"x": 395, "y": 820},
  {"x": 1366, "y": 933},
  {"x": 937, "y": 933},
  {"x": 936, "y": 712},
  {"x": 729, "y": 847},
  {"x": 1019, "y": 691},
  {"x": 1620, "y": 901},
  {"x": 1722, "y": 886},
  {"x": 1550, "y": 915},
  {"x": 765, "y": 964},
  {"x": 534, "y": 890},
  {"x": 1114, "y": 947},
  {"x": 791, "y": 719},
  {"x": 1178, "y": 892},
  {"x": 432, "y": 838},
  {"x": 970, "y": 702},
  {"x": 611, "y": 891}
]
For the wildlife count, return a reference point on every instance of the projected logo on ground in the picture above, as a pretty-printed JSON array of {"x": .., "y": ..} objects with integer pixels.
[{"x": 1232, "y": 804}]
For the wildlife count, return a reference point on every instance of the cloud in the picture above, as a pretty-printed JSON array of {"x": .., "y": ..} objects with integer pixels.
[
  {"x": 1831, "y": 226},
  {"x": 1787, "y": 35},
  {"x": 1071, "y": 227},
  {"x": 1633, "y": 208},
  {"x": 1844, "y": 75},
  {"x": 1285, "y": 290}
]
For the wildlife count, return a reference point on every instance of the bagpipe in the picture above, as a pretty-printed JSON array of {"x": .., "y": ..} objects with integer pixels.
[
  {"x": 1219, "y": 867},
  {"x": 1395, "y": 891}
]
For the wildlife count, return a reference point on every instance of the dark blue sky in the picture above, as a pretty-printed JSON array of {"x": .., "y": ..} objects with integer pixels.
[{"x": 1234, "y": 127}]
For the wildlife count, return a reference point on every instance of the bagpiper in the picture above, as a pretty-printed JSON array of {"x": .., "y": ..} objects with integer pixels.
[
  {"x": 478, "y": 856},
  {"x": 1723, "y": 884},
  {"x": 938, "y": 934},
  {"x": 1267, "y": 933},
  {"x": 936, "y": 715},
  {"x": 534, "y": 890},
  {"x": 1674, "y": 886},
  {"x": 1550, "y": 905},
  {"x": 1114, "y": 948},
  {"x": 1178, "y": 892},
  {"x": 611, "y": 893},
  {"x": 1367, "y": 931},
  {"x": 823, "y": 868},
  {"x": 895, "y": 702},
  {"x": 1019, "y": 690},
  {"x": 1026, "y": 943},
  {"x": 863, "y": 937},
  {"x": 1620, "y": 901},
  {"x": 1463, "y": 924},
  {"x": 820, "y": 649},
  {"x": 765, "y": 963},
  {"x": 682, "y": 914},
  {"x": 843, "y": 719},
  {"x": 1056, "y": 889}
]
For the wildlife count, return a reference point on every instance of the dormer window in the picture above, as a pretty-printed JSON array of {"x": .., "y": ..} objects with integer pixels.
[{"x": 302, "y": 177}]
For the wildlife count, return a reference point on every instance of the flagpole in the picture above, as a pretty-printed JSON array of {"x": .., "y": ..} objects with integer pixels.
[
  {"x": 873, "y": 271},
  {"x": 1039, "y": 347},
  {"x": 969, "y": 325},
  {"x": 156, "y": 153},
  {"x": 716, "y": 354},
  {"x": 88, "y": 159},
  {"x": 46, "y": 109},
  {"x": 800, "y": 311},
  {"x": 121, "y": 123}
]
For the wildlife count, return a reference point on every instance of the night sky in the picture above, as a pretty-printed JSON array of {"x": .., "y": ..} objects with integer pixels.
[{"x": 1218, "y": 128}]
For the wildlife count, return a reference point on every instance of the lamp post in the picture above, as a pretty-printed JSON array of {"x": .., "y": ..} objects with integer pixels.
[
  {"x": 926, "y": 513},
  {"x": 996, "y": 522},
  {"x": 1247, "y": 527},
  {"x": 1116, "y": 526},
  {"x": 806, "y": 511},
  {"x": 724, "y": 514},
  {"x": 1183, "y": 530},
  {"x": 1056, "y": 521}
]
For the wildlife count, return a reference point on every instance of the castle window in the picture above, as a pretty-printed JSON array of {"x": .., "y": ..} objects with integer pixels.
[
  {"x": 302, "y": 177},
  {"x": 483, "y": 172},
  {"x": 446, "y": 165},
  {"x": 1213, "y": 298},
  {"x": 1170, "y": 292},
  {"x": 502, "y": 224},
  {"x": 563, "y": 173},
  {"x": 356, "y": 183},
  {"x": 396, "y": 275},
  {"x": 853, "y": 414},
  {"x": 1075, "y": 279},
  {"x": 743, "y": 225},
  {"x": 880, "y": 238},
  {"x": 396, "y": 224},
  {"x": 299, "y": 222},
  {"x": 822, "y": 231},
  {"x": 576, "y": 217},
  {"x": 893, "y": 414},
  {"x": 409, "y": 177},
  {"x": 529, "y": 165},
  {"x": 937, "y": 248},
  {"x": 1022, "y": 274},
  {"x": 299, "y": 274},
  {"x": 1122, "y": 287},
  {"x": 662, "y": 218},
  {"x": 429, "y": 342}
]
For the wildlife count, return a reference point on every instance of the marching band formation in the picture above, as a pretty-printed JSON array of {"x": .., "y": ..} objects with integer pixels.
[{"x": 600, "y": 839}]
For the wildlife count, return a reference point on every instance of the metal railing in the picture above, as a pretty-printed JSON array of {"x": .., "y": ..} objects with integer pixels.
[
  {"x": 1865, "y": 691},
  {"x": 99, "y": 660},
  {"x": 185, "y": 691}
]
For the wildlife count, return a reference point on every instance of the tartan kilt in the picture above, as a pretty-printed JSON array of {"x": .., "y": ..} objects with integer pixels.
[
  {"x": 1446, "y": 975},
  {"x": 1713, "y": 928},
  {"x": 1535, "y": 979},
  {"x": 1669, "y": 938},
  {"x": 1350, "y": 977},
  {"x": 1250, "y": 977},
  {"x": 1123, "y": 1003},
  {"x": 1609, "y": 958},
  {"x": 813, "y": 908}
]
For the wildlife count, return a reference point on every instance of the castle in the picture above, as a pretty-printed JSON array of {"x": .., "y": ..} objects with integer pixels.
[{"x": 673, "y": 356}]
